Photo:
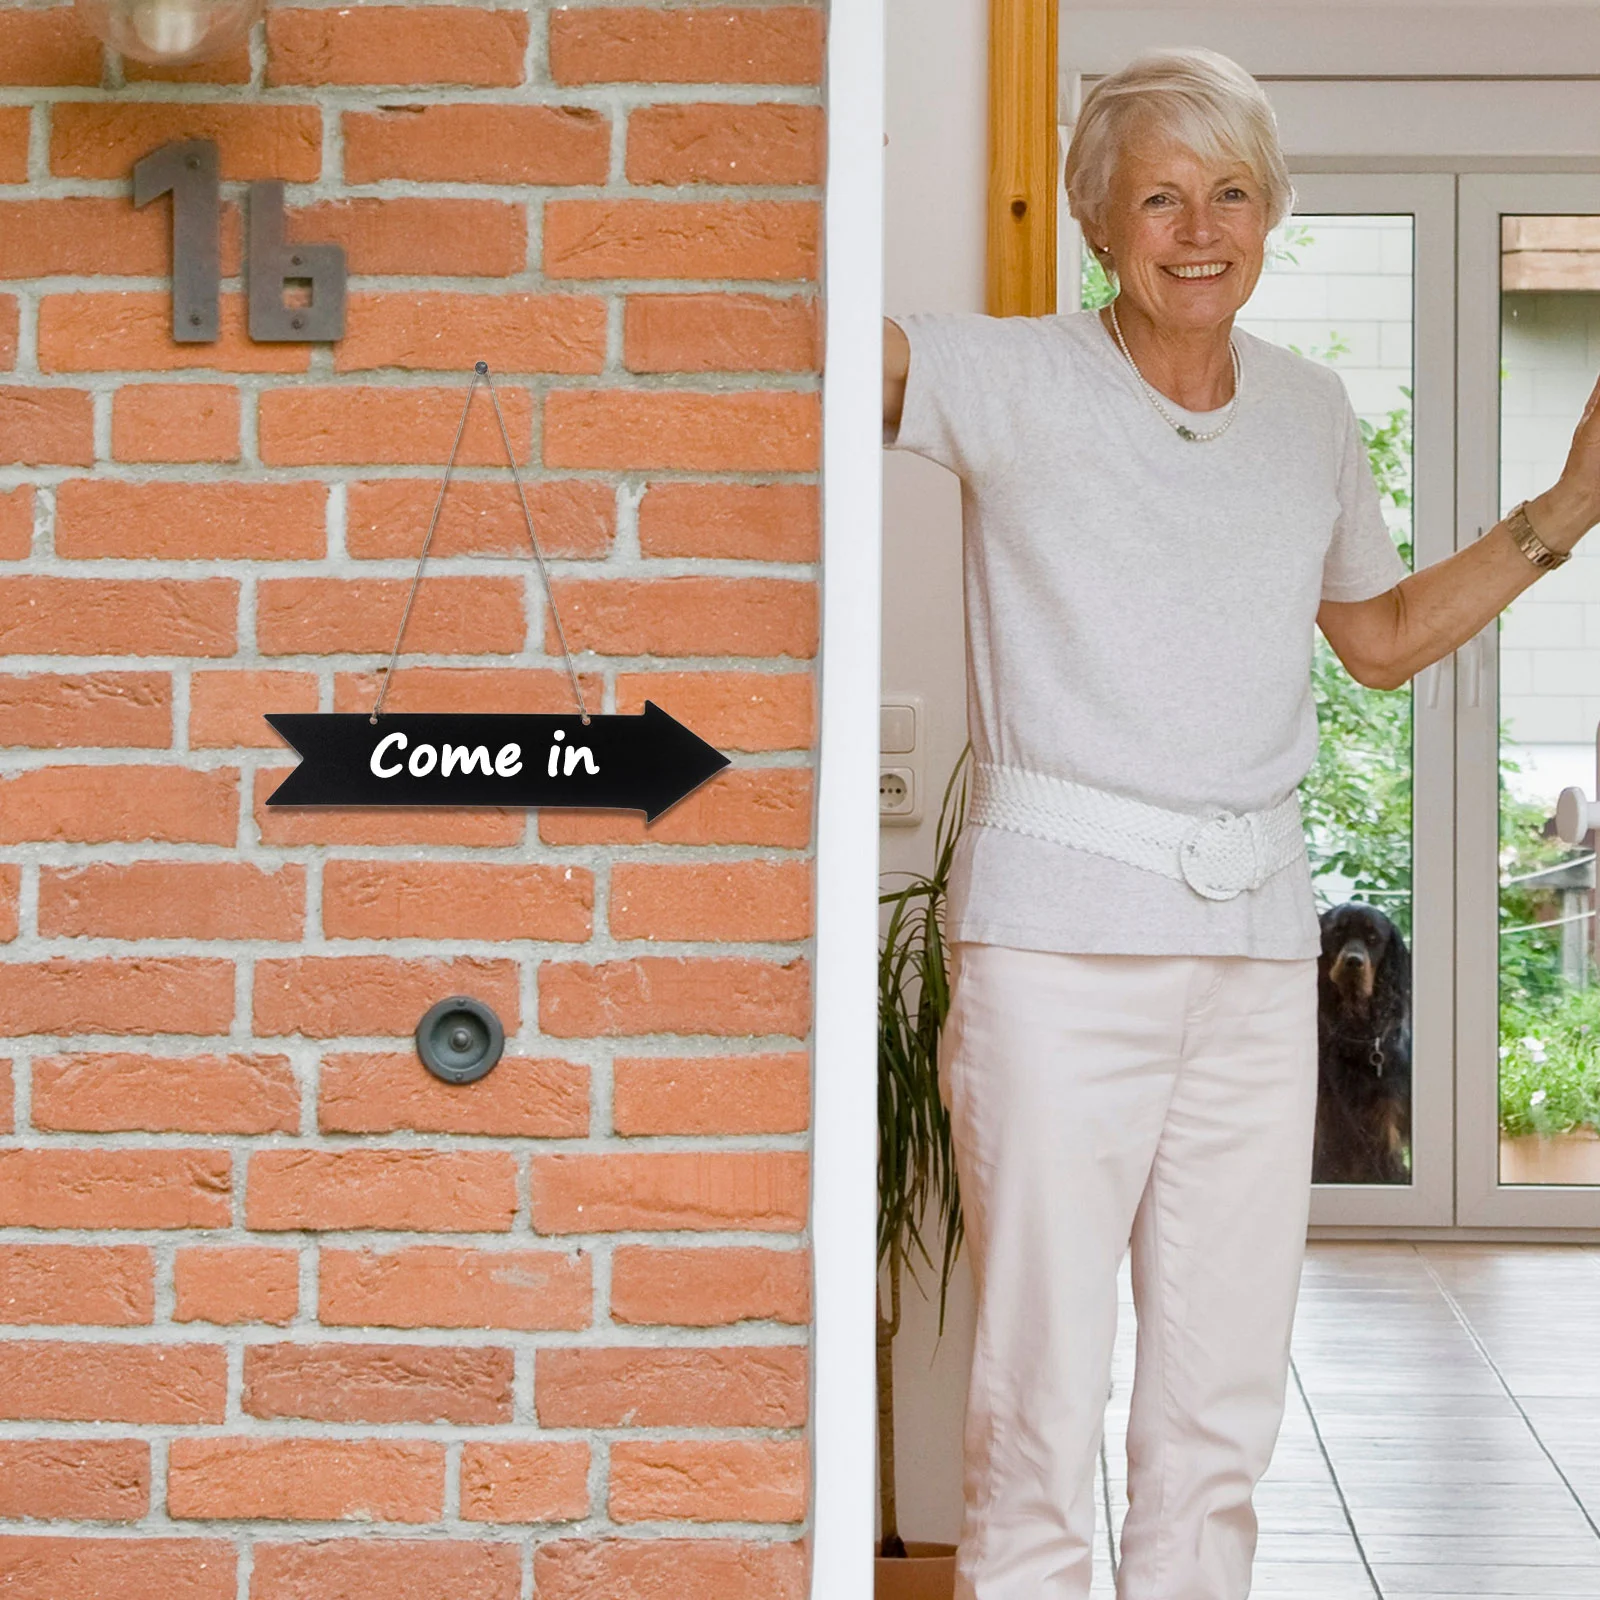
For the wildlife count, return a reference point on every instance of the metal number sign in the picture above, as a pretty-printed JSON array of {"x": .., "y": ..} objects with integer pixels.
[{"x": 190, "y": 172}]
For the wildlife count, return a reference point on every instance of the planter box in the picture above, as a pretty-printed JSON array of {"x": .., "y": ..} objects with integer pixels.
[
  {"x": 1561, "y": 1158},
  {"x": 927, "y": 1573}
]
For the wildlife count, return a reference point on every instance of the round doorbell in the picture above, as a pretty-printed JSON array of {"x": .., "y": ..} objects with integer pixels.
[{"x": 460, "y": 1039}]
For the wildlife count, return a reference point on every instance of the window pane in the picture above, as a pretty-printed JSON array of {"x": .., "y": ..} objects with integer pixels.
[{"x": 1548, "y": 705}]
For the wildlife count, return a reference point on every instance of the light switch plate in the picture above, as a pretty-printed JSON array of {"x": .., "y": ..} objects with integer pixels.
[{"x": 897, "y": 724}]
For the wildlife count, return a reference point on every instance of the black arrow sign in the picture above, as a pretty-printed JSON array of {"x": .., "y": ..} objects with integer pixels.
[{"x": 644, "y": 763}]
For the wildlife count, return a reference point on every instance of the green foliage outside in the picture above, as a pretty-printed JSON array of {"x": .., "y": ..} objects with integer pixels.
[{"x": 1357, "y": 801}]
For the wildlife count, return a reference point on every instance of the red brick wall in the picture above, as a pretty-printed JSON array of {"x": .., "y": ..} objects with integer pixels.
[{"x": 285, "y": 1318}]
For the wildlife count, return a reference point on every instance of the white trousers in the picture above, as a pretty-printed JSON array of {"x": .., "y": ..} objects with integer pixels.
[{"x": 1094, "y": 1100}]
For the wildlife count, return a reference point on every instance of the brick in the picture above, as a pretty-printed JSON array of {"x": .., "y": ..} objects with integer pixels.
[
  {"x": 232, "y": 66},
  {"x": 231, "y": 1284},
  {"x": 477, "y": 144},
  {"x": 752, "y": 239},
  {"x": 98, "y": 805},
  {"x": 118, "y": 616},
  {"x": 443, "y": 332},
  {"x": 456, "y": 900},
  {"x": 732, "y": 900},
  {"x": 749, "y": 1386},
  {"x": 326, "y": 996},
  {"x": 708, "y": 1480},
  {"x": 723, "y": 1094},
  {"x": 675, "y": 429},
  {"x": 525, "y": 690},
  {"x": 523, "y": 1097},
  {"x": 104, "y": 138},
  {"x": 396, "y": 45},
  {"x": 759, "y": 806},
  {"x": 546, "y": 1481},
  {"x": 674, "y": 994},
  {"x": 10, "y": 324},
  {"x": 388, "y": 517},
  {"x": 172, "y": 900},
  {"x": 144, "y": 994},
  {"x": 360, "y": 426},
  {"x": 89, "y": 235},
  {"x": 37, "y": 1568},
  {"x": 689, "y": 616},
  {"x": 401, "y": 1569},
  {"x": 97, "y": 518},
  {"x": 350, "y": 616},
  {"x": 722, "y": 143},
  {"x": 720, "y": 333},
  {"x": 175, "y": 422},
  {"x": 8, "y": 1120},
  {"x": 697, "y": 44},
  {"x": 16, "y": 523},
  {"x": 404, "y": 236},
  {"x": 71, "y": 1381},
  {"x": 126, "y": 1093},
  {"x": 305, "y": 1480},
  {"x": 14, "y": 129},
  {"x": 10, "y": 893},
  {"x": 131, "y": 331},
  {"x": 436, "y": 1191},
  {"x": 709, "y": 1288},
  {"x": 46, "y": 427},
  {"x": 655, "y": 1568},
  {"x": 693, "y": 1191},
  {"x": 46, "y": 710},
  {"x": 377, "y": 1383},
  {"x": 112, "y": 1285},
  {"x": 438, "y": 1286},
  {"x": 227, "y": 710},
  {"x": 388, "y": 825},
  {"x": 47, "y": 47},
  {"x": 732, "y": 710},
  {"x": 93, "y": 1480},
  {"x": 53, "y": 1187}
]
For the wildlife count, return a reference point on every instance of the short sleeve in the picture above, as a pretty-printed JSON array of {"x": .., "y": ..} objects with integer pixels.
[
  {"x": 1361, "y": 559},
  {"x": 955, "y": 407}
]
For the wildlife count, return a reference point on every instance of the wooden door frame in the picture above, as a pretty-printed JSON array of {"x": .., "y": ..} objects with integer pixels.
[{"x": 1023, "y": 164}]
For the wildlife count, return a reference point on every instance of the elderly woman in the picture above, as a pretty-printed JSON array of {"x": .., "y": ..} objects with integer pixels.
[{"x": 1157, "y": 508}]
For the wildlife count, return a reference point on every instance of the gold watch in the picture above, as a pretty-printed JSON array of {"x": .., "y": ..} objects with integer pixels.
[{"x": 1529, "y": 542}]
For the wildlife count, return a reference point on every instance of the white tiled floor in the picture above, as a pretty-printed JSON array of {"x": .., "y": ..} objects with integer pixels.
[{"x": 1442, "y": 1433}]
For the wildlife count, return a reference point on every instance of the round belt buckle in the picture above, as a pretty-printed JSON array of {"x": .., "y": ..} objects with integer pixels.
[{"x": 1218, "y": 855}]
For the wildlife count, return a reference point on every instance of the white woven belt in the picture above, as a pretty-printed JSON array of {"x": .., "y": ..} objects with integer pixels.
[{"x": 1217, "y": 853}]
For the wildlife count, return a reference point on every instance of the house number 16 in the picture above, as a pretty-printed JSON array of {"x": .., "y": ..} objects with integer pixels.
[{"x": 189, "y": 172}]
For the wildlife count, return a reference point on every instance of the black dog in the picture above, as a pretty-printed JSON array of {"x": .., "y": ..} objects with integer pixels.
[{"x": 1363, "y": 1049}]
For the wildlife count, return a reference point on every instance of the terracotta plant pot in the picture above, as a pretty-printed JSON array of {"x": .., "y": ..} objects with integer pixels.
[
  {"x": 928, "y": 1572},
  {"x": 1562, "y": 1158}
]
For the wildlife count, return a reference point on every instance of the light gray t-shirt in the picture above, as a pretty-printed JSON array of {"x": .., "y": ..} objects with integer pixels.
[{"x": 1140, "y": 611}]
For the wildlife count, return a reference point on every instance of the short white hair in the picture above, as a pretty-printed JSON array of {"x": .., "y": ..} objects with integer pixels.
[{"x": 1201, "y": 99}]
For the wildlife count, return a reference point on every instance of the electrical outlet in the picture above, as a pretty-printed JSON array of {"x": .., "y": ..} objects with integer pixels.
[{"x": 898, "y": 800}]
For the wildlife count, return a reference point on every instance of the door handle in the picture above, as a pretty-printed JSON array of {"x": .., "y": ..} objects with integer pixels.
[{"x": 1473, "y": 653}]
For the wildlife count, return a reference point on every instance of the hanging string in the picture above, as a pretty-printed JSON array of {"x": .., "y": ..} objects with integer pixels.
[{"x": 480, "y": 370}]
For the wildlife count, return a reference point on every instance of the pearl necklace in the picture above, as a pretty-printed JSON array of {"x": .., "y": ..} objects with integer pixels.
[{"x": 1184, "y": 431}]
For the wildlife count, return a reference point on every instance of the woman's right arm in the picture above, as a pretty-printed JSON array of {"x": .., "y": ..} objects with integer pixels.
[{"x": 896, "y": 364}]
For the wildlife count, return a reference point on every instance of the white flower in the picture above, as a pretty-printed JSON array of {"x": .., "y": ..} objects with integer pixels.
[
  {"x": 1536, "y": 1098},
  {"x": 1535, "y": 1047}
]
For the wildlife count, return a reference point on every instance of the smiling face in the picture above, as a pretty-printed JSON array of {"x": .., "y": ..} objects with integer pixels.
[{"x": 1187, "y": 233}]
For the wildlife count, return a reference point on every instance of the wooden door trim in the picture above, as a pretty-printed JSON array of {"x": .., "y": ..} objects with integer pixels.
[{"x": 1023, "y": 71}]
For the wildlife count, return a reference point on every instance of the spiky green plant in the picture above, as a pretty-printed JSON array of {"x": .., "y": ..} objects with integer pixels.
[{"x": 917, "y": 1189}]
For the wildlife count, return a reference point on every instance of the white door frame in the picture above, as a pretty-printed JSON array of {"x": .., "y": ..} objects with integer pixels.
[
  {"x": 844, "y": 1146},
  {"x": 1482, "y": 1201}
]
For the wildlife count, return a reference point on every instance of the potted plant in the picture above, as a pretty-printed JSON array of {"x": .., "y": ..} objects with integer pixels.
[{"x": 917, "y": 1189}]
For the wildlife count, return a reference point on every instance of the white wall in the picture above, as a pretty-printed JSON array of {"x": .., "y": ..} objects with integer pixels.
[{"x": 936, "y": 165}]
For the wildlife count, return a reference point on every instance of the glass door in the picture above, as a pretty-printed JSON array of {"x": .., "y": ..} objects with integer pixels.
[
  {"x": 1528, "y": 1072},
  {"x": 1359, "y": 279}
]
